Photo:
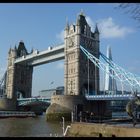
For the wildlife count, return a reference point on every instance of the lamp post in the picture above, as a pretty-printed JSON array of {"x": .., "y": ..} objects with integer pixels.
[{"x": 63, "y": 125}]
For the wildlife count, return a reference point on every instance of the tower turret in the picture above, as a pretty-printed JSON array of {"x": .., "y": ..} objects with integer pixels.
[
  {"x": 67, "y": 28},
  {"x": 96, "y": 33},
  {"x": 15, "y": 48},
  {"x": 21, "y": 51}
]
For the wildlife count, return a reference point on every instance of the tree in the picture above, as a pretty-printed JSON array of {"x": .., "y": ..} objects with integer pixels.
[{"x": 131, "y": 8}]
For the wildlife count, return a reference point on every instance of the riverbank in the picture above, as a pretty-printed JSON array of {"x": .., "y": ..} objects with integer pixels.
[{"x": 83, "y": 129}]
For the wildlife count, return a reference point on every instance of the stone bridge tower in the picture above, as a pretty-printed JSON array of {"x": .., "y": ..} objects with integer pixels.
[
  {"x": 81, "y": 75},
  {"x": 19, "y": 76}
]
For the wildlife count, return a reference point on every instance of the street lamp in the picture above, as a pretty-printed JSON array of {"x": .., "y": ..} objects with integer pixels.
[{"x": 63, "y": 125}]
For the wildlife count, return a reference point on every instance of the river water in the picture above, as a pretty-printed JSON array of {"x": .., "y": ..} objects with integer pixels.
[
  {"x": 39, "y": 127},
  {"x": 30, "y": 127}
]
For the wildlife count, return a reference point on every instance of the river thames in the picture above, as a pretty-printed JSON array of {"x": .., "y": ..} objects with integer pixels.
[{"x": 30, "y": 127}]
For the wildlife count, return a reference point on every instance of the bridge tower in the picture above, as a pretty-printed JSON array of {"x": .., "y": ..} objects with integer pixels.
[
  {"x": 19, "y": 76},
  {"x": 10, "y": 73},
  {"x": 81, "y": 76}
]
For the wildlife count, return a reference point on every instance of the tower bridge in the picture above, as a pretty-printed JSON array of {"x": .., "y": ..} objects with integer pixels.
[
  {"x": 21, "y": 62},
  {"x": 81, "y": 52}
]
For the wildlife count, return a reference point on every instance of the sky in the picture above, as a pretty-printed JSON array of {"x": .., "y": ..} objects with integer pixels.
[{"x": 41, "y": 25}]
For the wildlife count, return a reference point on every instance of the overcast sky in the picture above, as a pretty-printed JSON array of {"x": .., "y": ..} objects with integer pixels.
[{"x": 42, "y": 25}]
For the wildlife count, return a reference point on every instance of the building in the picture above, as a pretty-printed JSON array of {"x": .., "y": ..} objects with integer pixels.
[
  {"x": 49, "y": 92},
  {"x": 110, "y": 82}
]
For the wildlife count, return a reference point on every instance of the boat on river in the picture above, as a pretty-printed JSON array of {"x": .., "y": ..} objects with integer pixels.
[{"x": 19, "y": 114}]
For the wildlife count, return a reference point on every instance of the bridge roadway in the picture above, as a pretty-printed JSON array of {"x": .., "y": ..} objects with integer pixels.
[
  {"x": 111, "y": 97},
  {"x": 25, "y": 101},
  {"x": 37, "y": 58}
]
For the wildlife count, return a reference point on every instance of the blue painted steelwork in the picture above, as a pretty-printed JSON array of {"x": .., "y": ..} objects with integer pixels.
[
  {"x": 119, "y": 73},
  {"x": 25, "y": 101},
  {"x": 3, "y": 85},
  {"x": 111, "y": 97}
]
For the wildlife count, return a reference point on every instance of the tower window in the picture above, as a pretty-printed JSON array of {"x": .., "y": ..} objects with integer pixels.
[{"x": 85, "y": 28}]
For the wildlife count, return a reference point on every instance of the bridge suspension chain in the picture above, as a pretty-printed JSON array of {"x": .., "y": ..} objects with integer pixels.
[
  {"x": 132, "y": 79},
  {"x": 119, "y": 73}
]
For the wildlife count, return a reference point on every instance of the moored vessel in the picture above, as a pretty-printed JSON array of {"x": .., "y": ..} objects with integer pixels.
[{"x": 6, "y": 114}]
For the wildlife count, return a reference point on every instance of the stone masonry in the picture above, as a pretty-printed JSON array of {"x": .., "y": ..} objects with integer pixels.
[
  {"x": 19, "y": 76},
  {"x": 81, "y": 76}
]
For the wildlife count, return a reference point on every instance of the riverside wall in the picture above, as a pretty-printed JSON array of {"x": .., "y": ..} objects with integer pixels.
[
  {"x": 8, "y": 104},
  {"x": 101, "y": 130}
]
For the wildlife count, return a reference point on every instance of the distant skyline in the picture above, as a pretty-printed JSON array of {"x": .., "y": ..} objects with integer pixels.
[{"x": 41, "y": 25}]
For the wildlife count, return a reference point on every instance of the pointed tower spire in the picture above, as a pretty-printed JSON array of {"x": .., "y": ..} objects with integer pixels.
[
  {"x": 77, "y": 20},
  {"x": 10, "y": 49},
  {"x": 32, "y": 50},
  {"x": 67, "y": 21},
  {"x": 109, "y": 55},
  {"x": 96, "y": 29},
  {"x": 15, "y": 47},
  {"x": 82, "y": 12}
]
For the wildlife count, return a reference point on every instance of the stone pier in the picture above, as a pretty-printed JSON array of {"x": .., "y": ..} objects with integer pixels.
[
  {"x": 8, "y": 104},
  {"x": 63, "y": 105}
]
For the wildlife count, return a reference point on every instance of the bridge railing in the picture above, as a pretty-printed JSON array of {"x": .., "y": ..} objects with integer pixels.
[
  {"x": 33, "y": 98},
  {"x": 36, "y": 53},
  {"x": 110, "y": 97},
  {"x": 24, "y": 101}
]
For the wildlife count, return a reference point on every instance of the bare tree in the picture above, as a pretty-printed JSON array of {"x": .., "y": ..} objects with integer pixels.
[{"x": 133, "y": 9}]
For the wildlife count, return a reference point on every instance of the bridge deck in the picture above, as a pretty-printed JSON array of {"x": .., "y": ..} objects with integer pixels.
[
  {"x": 47, "y": 56},
  {"x": 25, "y": 101},
  {"x": 110, "y": 97}
]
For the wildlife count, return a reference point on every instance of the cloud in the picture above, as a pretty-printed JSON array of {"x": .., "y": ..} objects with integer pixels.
[
  {"x": 109, "y": 29},
  {"x": 90, "y": 22},
  {"x": 60, "y": 65},
  {"x": 60, "y": 36}
]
